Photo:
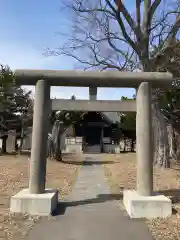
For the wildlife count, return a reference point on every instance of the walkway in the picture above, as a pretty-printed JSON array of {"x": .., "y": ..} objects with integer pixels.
[{"x": 91, "y": 213}]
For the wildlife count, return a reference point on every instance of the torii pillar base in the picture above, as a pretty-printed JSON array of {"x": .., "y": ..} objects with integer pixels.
[
  {"x": 34, "y": 204},
  {"x": 157, "y": 206}
]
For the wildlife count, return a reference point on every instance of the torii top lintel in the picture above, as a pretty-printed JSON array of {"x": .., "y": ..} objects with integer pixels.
[{"x": 93, "y": 78}]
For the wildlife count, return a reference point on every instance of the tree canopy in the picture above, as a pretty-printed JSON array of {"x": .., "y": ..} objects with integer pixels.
[
  {"x": 128, "y": 120},
  {"x": 16, "y": 106}
]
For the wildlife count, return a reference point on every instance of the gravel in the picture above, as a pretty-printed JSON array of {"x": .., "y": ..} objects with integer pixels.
[
  {"x": 122, "y": 175},
  {"x": 14, "y": 177}
]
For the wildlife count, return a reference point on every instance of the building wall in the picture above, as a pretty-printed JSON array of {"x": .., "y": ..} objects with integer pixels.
[
  {"x": 73, "y": 148},
  {"x": 73, "y": 140},
  {"x": 73, "y": 144},
  {"x": 111, "y": 148},
  {"x": 106, "y": 140}
]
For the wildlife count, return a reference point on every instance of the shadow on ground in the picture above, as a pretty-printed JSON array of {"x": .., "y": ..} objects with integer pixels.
[
  {"x": 87, "y": 162},
  {"x": 125, "y": 152},
  {"x": 174, "y": 194},
  {"x": 61, "y": 208}
]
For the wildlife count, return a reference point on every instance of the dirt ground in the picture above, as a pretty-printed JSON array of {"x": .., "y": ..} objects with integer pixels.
[
  {"x": 121, "y": 172},
  {"x": 14, "y": 177}
]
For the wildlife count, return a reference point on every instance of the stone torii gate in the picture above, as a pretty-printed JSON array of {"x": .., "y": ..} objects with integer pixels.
[{"x": 37, "y": 200}]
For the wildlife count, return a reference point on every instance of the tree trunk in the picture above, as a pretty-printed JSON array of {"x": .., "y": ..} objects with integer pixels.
[
  {"x": 132, "y": 145},
  {"x": 21, "y": 140},
  {"x": 50, "y": 150},
  {"x": 4, "y": 144},
  {"x": 124, "y": 150},
  {"x": 16, "y": 146},
  {"x": 58, "y": 156},
  {"x": 54, "y": 144},
  {"x": 160, "y": 136},
  {"x": 178, "y": 148},
  {"x": 172, "y": 142}
]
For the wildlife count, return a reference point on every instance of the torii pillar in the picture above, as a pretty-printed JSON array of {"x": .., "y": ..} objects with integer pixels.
[
  {"x": 143, "y": 203},
  {"x": 39, "y": 138},
  {"x": 37, "y": 200}
]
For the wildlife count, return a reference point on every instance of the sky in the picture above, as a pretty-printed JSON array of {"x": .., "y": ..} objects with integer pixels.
[{"x": 28, "y": 27}]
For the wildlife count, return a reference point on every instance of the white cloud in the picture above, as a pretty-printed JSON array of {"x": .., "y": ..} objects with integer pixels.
[{"x": 18, "y": 55}]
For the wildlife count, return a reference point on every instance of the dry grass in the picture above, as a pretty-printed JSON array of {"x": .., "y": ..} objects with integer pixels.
[
  {"x": 122, "y": 174},
  {"x": 14, "y": 177}
]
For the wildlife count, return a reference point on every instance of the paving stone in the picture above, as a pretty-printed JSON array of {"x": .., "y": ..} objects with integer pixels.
[{"x": 91, "y": 212}]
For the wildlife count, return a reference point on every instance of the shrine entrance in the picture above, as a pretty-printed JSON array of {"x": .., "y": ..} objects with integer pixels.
[
  {"x": 41, "y": 201},
  {"x": 92, "y": 135}
]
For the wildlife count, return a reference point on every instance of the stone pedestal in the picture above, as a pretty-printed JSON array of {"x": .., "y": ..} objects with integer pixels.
[
  {"x": 34, "y": 204},
  {"x": 146, "y": 206}
]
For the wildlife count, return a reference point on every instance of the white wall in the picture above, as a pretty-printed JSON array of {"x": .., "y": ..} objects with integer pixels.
[
  {"x": 73, "y": 145},
  {"x": 111, "y": 148},
  {"x": 73, "y": 140},
  {"x": 71, "y": 148}
]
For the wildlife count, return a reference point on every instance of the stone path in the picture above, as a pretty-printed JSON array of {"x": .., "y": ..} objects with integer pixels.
[{"x": 91, "y": 213}]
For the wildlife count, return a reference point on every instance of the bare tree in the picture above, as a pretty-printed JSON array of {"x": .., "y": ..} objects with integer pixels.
[
  {"x": 60, "y": 122},
  {"x": 106, "y": 35}
]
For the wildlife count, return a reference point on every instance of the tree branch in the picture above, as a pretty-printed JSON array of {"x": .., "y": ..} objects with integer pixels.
[
  {"x": 138, "y": 14},
  {"x": 153, "y": 8},
  {"x": 122, "y": 26}
]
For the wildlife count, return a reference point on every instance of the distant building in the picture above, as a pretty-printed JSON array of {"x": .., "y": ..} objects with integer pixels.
[{"x": 95, "y": 132}]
